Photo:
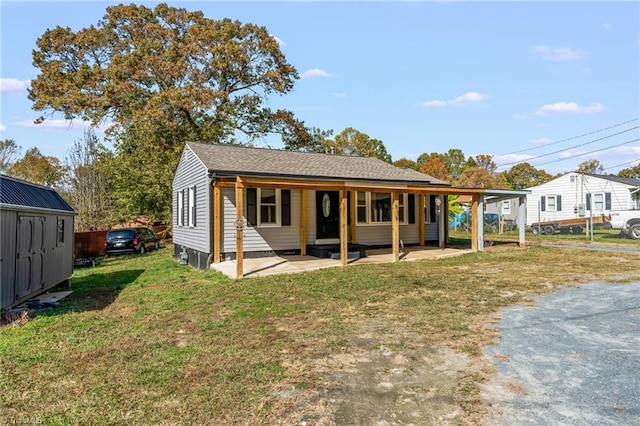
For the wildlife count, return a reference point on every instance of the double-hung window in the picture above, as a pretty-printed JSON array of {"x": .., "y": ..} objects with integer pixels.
[
  {"x": 180, "y": 208},
  {"x": 192, "y": 206},
  {"x": 376, "y": 207},
  {"x": 268, "y": 207},
  {"x": 551, "y": 203}
]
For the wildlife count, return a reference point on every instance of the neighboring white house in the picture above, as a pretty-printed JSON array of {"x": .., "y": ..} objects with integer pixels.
[{"x": 581, "y": 195}]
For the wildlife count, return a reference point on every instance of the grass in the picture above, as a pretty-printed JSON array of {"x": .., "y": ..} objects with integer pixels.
[
  {"x": 144, "y": 340},
  {"x": 600, "y": 236}
]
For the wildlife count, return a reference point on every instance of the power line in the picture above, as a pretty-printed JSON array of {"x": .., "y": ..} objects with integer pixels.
[
  {"x": 623, "y": 164},
  {"x": 590, "y": 152},
  {"x": 571, "y": 138},
  {"x": 571, "y": 147}
]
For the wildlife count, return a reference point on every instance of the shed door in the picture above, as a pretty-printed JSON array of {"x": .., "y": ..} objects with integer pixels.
[{"x": 30, "y": 262}]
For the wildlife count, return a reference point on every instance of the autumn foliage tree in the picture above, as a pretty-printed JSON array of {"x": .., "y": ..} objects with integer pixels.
[
  {"x": 163, "y": 76},
  {"x": 41, "y": 169},
  {"x": 630, "y": 172},
  {"x": 435, "y": 166},
  {"x": 9, "y": 154}
]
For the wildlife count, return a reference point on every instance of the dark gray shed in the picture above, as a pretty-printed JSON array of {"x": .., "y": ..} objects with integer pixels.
[{"x": 36, "y": 240}]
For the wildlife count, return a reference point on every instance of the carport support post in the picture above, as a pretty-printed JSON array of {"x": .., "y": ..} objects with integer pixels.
[
  {"x": 442, "y": 221},
  {"x": 395, "y": 225},
  {"x": 522, "y": 212},
  {"x": 344, "y": 243},
  {"x": 239, "y": 229},
  {"x": 479, "y": 215},
  {"x": 474, "y": 222}
]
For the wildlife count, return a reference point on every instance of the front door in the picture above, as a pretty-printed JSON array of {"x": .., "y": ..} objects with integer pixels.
[{"x": 327, "y": 214}]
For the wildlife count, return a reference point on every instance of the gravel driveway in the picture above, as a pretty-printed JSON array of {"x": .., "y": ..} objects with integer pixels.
[{"x": 571, "y": 359}]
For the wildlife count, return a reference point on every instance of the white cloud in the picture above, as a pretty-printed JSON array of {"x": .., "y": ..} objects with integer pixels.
[
  {"x": 3, "y": 128},
  {"x": 280, "y": 42},
  {"x": 569, "y": 107},
  {"x": 541, "y": 141},
  {"x": 315, "y": 72},
  {"x": 462, "y": 100},
  {"x": 434, "y": 103},
  {"x": 509, "y": 159},
  {"x": 558, "y": 54},
  {"x": 468, "y": 98},
  {"x": 338, "y": 94},
  {"x": 60, "y": 125},
  {"x": 8, "y": 85}
]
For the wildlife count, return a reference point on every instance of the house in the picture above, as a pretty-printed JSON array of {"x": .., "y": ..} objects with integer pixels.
[
  {"x": 231, "y": 202},
  {"x": 36, "y": 251},
  {"x": 581, "y": 195}
]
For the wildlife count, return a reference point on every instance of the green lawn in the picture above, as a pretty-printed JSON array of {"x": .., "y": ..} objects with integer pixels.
[
  {"x": 144, "y": 340},
  {"x": 604, "y": 236}
]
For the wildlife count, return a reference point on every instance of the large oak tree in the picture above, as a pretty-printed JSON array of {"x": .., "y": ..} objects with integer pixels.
[{"x": 163, "y": 76}]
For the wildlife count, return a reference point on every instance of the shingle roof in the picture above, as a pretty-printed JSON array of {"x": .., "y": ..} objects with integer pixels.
[
  {"x": 20, "y": 193},
  {"x": 627, "y": 181},
  {"x": 234, "y": 160}
]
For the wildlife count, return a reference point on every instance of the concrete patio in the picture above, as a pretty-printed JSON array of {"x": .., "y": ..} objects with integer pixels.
[{"x": 273, "y": 265}]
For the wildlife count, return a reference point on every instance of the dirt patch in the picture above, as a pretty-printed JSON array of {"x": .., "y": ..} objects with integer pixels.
[{"x": 399, "y": 382}]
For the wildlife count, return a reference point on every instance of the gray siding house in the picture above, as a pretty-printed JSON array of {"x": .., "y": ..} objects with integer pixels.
[
  {"x": 229, "y": 199},
  {"x": 36, "y": 240}
]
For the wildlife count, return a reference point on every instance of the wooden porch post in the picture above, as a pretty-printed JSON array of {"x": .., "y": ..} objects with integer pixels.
[
  {"x": 303, "y": 222},
  {"x": 474, "y": 222},
  {"x": 395, "y": 225},
  {"x": 421, "y": 219},
  {"x": 239, "y": 229},
  {"x": 344, "y": 243},
  {"x": 216, "y": 232},
  {"x": 354, "y": 216}
]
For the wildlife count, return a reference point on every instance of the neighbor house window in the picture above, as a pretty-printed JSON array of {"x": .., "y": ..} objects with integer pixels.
[
  {"x": 376, "y": 207},
  {"x": 506, "y": 207},
  {"x": 180, "y": 208},
  {"x": 192, "y": 206},
  {"x": 60, "y": 235},
  {"x": 268, "y": 207},
  {"x": 551, "y": 203}
]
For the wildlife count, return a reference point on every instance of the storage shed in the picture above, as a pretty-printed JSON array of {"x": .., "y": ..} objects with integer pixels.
[{"x": 36, "y": 240}]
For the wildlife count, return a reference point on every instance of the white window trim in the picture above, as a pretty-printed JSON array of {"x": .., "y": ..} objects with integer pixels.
[
  {"x": 555, "y": 203},
  {"x": 507, "y": 204},
  {"x": 602, "y": 201},
  {"x": 278, "y": 222},
  {"x": 403, "y": 201},
  {"x": 180, "y": 208},
  {"x": 192, "y": 207}
]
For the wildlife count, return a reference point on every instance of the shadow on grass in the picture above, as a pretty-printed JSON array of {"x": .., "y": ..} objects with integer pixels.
[{"x": 96, "y": 291}]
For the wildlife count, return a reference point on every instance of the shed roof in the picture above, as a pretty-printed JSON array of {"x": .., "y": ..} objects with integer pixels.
[
  {"x": 16, "y": 192},
  {"x": 239, "y": 160}
]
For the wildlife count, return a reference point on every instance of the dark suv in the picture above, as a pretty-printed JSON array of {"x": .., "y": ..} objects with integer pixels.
[{"x": 130, "y": 240}]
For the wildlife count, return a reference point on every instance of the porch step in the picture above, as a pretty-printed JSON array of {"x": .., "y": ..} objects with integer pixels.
[{"x": 332, "y": 251}]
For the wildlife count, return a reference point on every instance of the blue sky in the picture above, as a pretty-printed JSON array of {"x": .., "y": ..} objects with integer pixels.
[{"x": 510, "y": 79}]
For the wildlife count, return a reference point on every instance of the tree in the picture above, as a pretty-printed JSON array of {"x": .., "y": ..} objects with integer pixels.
[
  {"x": 590, "y": 166},
  {"x": 353, "y": 142},
  {"x": 435, "y": 166},
  {"x": 9, "y": 154},
  {"x": 485, "y": 161},
  {"x": 479, "y": 177},
  {"x": 88, "y": 189},
  {"x": 37, "y": 168},
  {"x": 631, "y": 172},
  {"x": 165, "y": 75},
  {"x": 455, "y": 162},
  {"x": 309, "y": 140},
  {"x": 406, "y": 163},
  {"x": 524, "y": 175}
]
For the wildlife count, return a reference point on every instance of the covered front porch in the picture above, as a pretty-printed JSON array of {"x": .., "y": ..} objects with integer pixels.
[{"x": 290, "y": 264}]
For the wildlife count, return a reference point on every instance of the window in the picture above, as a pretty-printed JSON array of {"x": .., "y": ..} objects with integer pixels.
[
  {"x": 599, "y": 201},
  {"x": 506, "y": 207},
  {"x": 60, "y": 235},
  {"x": 268, "y": 201},
  {"x": 268, "y": 207},
  {"x": 551, "y": 203},
  {"x": 376, "y": 207},
  {"x": 192, "y": 206},
  {"x": 430, "y": 208},
  {"x": 180, "y": 208}
]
